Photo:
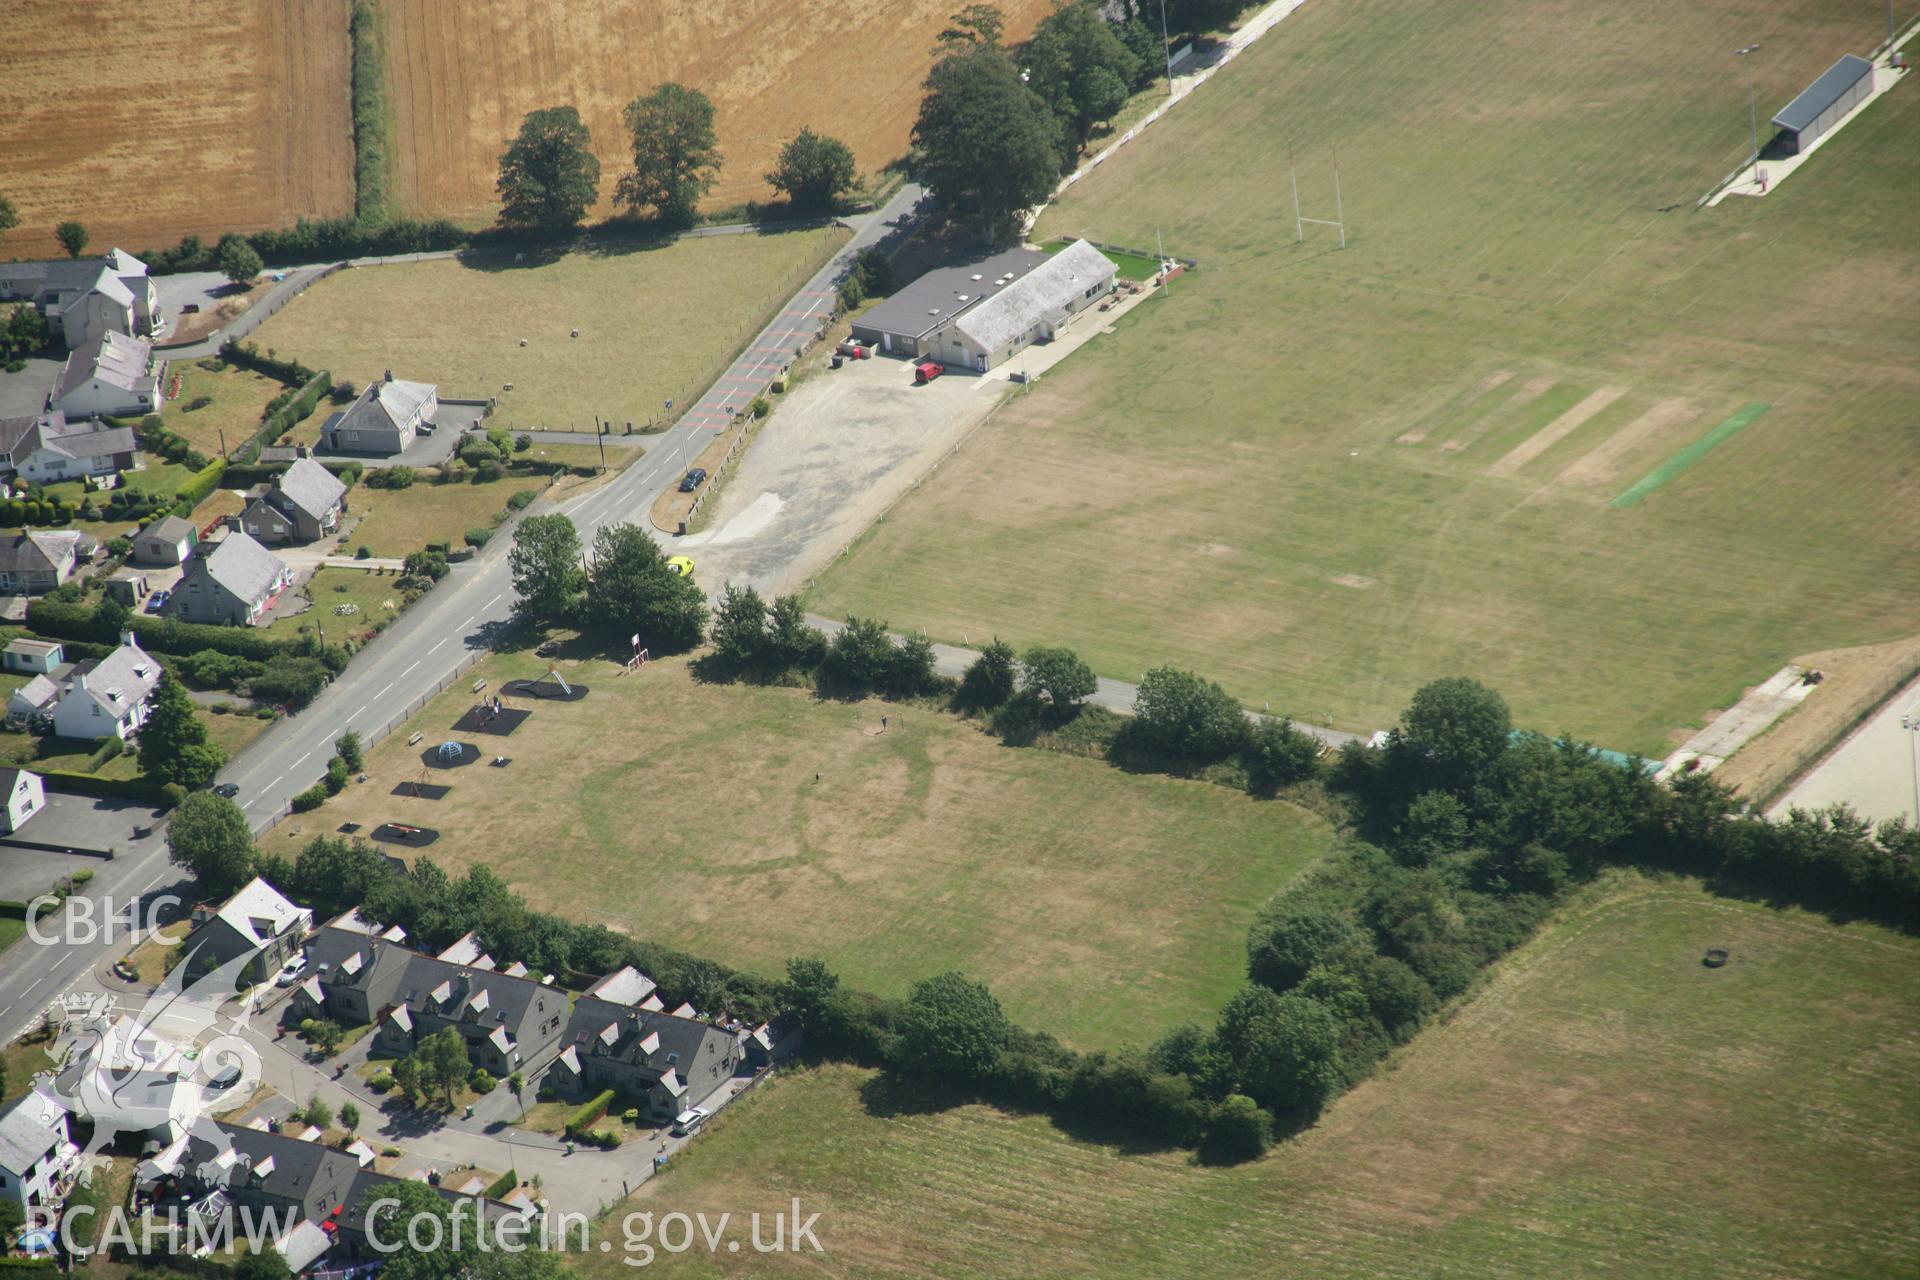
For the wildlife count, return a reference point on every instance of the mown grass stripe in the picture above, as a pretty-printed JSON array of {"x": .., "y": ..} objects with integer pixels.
[{"x": 1699, "y": 449}]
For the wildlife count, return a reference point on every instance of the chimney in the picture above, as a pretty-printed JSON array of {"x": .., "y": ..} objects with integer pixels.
[
  {"x": 389, "y": 375},
  {"x": 300, "y": 451},
  {"x": 127, "y": 639}
]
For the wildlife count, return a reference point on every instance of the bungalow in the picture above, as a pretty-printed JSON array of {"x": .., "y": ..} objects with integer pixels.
[
  {"x": 234, "y": 584},
  {"x": 47, "y": 448},
  {"x": 35, "y": 656},
  {"x": 303, "y": 504},
  {"x": 166, "y": 541},
  {"x": 107, "y": 697},
  {"x": 38, "y": 1159},
  {"x": 256, "y": 921},
  {"x": 112, "y": 374},
  {"x": 36, "y": 561},
  {"x": 383, "y": 419},
  {"x": 87, "y": 296},
  {"x": 25, "y": 796}
]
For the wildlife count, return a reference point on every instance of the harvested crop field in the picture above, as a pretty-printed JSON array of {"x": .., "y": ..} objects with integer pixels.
[
  {"x": 147, "y": 120},
  {"x": 459, "y": 89}
]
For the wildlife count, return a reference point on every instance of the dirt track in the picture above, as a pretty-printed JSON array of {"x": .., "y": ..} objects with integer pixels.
[
  {"x": 147, "y": 120},
  {"x": 459, "y": 89}
]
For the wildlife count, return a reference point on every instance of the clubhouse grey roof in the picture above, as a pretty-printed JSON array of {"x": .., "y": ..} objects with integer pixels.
[
  {"x": 1823, "y": 93},
  {"x": 244, "y": 567},
  {"x": 943, "y": 293},
  {"x": 1044, "y": 293},
  {"x": 311, "y": 487}
]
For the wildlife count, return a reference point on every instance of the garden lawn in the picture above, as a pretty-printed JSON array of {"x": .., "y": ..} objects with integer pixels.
[
  {"x": 1605, "y": 1106},
  {"x": 1326, "y": 477},
  {"x": 374, "y": 597},
  {"x": 239, "y": 400},
  {"x": 398, "y": 522},
  {"x": 655, "y": 323},
  {"x": 750, "y": 825}
]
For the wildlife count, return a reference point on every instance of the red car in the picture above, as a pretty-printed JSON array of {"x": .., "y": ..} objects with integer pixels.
[{"x": 927, "y": 370}]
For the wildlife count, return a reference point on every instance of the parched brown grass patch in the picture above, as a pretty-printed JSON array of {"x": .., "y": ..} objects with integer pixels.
[{"x": 752, "y": 825}]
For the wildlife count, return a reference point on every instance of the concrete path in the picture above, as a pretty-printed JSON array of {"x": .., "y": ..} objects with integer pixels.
[
  {"x": 1876, "y": 769},
  {"x": 1746, "y": 719},
  {"x": 1766, "y": 175}
]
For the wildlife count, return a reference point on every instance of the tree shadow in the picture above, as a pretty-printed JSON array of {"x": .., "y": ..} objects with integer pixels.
[{"x": 890, "y": 1095}]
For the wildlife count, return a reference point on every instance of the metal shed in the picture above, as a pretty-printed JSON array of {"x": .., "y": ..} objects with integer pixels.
[{"x": 1840, "y": 88}]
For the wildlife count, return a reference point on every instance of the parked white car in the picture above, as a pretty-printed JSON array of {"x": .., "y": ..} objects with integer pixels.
[
  {"x": 290, "y": 972},
  {"x": 690, "y": 1120}
]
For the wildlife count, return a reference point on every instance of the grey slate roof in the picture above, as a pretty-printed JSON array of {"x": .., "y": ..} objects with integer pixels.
[
  {"x": 84, "y": 439},
  {"x": 124, "y": 678},
  {"x": 1042, "y": 293},
  {"x": 114, "y": 358},
  {"x": 384, "y": 405},
  {"x": 936, "y": 297},
  {"x": 244, "y": 567},
  {"x": 34, "y": 551},
  {"x": 311, "y": 487},
  {"x": 24, "y": 1137},
  {"x": 170, "y": 529},
  {"x": 1823, "y": 93}
]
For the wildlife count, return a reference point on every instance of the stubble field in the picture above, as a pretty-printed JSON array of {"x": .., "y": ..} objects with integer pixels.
[
  {"x": 750, "y": 825},
  {"x": 1604, "y": 1107},
  {"x": 1326, "y": 477},
  {"x": 459, "y": 89},
  {"x": 147, "y": 120}
]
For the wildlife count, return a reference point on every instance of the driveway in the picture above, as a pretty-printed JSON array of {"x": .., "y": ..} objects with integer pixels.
[
  {"x": 203, "y": 289},
  {"x": 24, "y": 394},
  {"x": 83, "y": 822}
]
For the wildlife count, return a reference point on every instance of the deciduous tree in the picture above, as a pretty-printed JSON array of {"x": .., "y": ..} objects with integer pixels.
[
  {"x": 72, "y": 237},
  {"x": 1059, "y": 676},
  {"x": 549, "y": 176},
  {"x": 952, "y": 1028},
  {"x": 209, "y": 836},
  {"x": 631, "y": 590},
  {"x": 546, "y": 569},
  {"x": 173, "y": 743},
  {"x": 675, "y": 159},
  {"x": 1077, "y": 62},
  {"x": 813, "y": 171},
  {"x": 986, "y": 140},
  {"x": 1180, "y": 717},
  {"x": 9, "y": 216},
  {"x": 238, "y": 261}
]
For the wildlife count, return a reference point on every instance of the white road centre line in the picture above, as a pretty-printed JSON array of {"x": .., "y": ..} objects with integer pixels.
[
  {"x": 384, "y": 688},
  {"x": 411, "y": 666},
  {"x": 303, "y": 756},
  {"x": 29, "y": 990},
  {"x": 489, "y": 604},
  {"x": 276, "y": 778},
  {"x": 156, "y": 880},
  {"x": 436, "y": 644}
]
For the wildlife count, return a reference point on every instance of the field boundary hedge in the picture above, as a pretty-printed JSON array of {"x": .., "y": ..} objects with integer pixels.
[{"x": 371, "y": 150}]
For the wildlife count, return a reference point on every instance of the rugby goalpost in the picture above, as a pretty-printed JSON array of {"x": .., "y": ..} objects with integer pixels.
[{"x": 1300, "y": 222}]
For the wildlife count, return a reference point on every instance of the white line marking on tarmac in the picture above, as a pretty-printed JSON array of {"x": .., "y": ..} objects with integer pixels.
[
  {"x": 156, "y": 880},
  {"x": 415, "y": 663},
  {"x": 276, "y": 778},
  {"x": 389, "y": 685},
  {"x": 36, "y": 982},
  {"x": 442, "y": 640},
  {"x": 303, "y": 756},
  {"x": 489, "y": 604}
]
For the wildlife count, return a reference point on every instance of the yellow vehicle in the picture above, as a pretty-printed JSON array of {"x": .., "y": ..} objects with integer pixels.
[{"x": 680, "y": 565}]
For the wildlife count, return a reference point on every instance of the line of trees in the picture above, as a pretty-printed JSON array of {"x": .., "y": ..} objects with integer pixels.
[{"x": 550, "y": 177}]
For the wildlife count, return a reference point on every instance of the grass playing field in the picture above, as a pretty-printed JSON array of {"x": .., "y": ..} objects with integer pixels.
[
  {"x": 655, "y": 323},
  {"x": 1326, "y": 477},
  {"x": 172, "y": 117},
  {"x": 1606, "y": 1106},
  {"x": 1101, "y": 906}
]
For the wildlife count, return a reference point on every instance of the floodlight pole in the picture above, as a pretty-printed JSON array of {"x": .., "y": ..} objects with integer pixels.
[
  {"x": 1911, "y": 723},
  {"x": 1166, "y": 41},
  {"x": 1753, "y": 117}
]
